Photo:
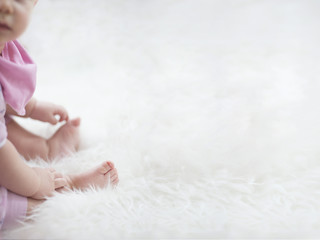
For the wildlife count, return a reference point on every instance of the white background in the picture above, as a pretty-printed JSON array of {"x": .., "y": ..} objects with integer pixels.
[{"x": 209, "y": 109}]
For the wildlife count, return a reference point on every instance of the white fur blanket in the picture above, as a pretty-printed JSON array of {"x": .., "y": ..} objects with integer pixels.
[{"x": 209, "y": 109}]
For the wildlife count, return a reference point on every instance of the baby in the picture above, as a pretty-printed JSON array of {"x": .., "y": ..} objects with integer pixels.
[{"x": 23, "y": 187}]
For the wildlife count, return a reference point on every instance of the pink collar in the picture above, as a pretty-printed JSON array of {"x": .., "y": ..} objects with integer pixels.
[{"x": 17, "y": 76}]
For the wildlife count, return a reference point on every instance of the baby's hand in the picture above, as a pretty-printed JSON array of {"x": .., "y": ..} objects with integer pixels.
[
  {"x": 46, "y": 112},
  {"x": 50, "y": 180}
]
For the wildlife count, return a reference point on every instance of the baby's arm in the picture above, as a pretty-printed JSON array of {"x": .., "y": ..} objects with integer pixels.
[
  {"x": 19, "y": 178},
  {"x": 43, "y": 111}
]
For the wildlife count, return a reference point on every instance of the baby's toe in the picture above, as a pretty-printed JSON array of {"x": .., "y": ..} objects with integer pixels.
[
  {"x": 115, "y": 181},
  {"x": 114, "y": 176},
  {"x": 111, "y": 164},
  {"x": 104, "y": 168},
  {"x": 113, "y": 172}
]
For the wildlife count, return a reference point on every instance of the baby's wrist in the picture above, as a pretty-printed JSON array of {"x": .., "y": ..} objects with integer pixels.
[
  {"x": 37, "y": 184},
  {"x": 70, "y": 182}
]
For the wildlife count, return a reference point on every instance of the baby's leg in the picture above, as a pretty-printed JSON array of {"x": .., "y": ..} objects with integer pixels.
[
  {"x": 29, "y": 145},
  {"x": 100, "y": 176},
  {"x": 14, "y": 207},
  {"x": 66, "y": 140}
]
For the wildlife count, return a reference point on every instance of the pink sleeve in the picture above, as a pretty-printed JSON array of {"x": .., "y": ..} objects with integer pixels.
[{"x": 3, "y": 128}]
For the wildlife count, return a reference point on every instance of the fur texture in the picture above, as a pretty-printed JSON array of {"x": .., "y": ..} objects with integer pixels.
[{"x": 209, "y": 110}]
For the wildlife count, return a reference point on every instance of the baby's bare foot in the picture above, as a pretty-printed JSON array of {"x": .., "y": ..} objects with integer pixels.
[
  {"x": 66, "y": 140},
  {"x": 100, "y": 176}
]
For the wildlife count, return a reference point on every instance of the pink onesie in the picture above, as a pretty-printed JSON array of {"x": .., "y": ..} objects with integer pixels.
[{"x": 17, "y": 85}]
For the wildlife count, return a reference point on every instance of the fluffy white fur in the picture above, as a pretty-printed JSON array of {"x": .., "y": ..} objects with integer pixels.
[{"x": 209, "y": 110}]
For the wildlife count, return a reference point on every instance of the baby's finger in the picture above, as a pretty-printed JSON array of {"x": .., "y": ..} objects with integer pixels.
[
  {"x": 62, "y": 117},
  {"x": 60, "y": 182},
  {"x": 54, "y": 119},
  {"x": 63, "y": 114}
]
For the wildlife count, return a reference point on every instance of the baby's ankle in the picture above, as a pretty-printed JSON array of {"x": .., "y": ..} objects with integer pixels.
[
  {"x": 70, "y": 182},
  {"x": 74, "y": 181}
]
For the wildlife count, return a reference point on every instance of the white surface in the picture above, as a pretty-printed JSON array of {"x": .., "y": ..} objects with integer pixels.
[{"x": 209, "y": 109}]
